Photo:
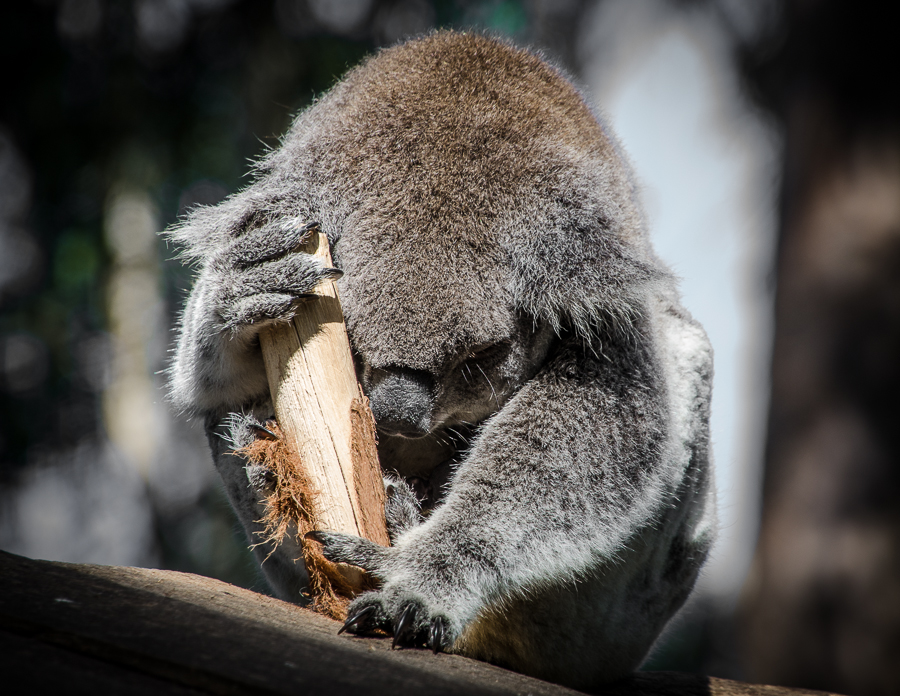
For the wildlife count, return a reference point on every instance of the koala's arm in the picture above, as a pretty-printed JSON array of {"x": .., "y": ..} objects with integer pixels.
[
  {"x": 554, "y": 487},
  {"x": 249, "y": 282}
]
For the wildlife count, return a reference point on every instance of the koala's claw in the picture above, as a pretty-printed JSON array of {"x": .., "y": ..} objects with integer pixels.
[
  {"x": 257, "y": 281},
  {"x": 263, "y": 430},
  {"x": 408, "y": 618},
  {"x": 436, "y": 635},
  {"x": 405, "y": 626},
  {"x": 359, "y": 619}
]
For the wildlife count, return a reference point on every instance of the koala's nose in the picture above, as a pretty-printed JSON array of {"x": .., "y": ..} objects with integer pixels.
[{"x": 401, "y": 401}]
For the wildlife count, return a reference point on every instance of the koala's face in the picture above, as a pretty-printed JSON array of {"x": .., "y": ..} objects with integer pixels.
[
  {"x": 437, "y": 339},
  {"x": 470, "y": 384}
]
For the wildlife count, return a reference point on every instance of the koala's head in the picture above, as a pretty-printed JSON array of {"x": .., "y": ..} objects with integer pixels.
[
  {"x": 477, "y": 207},
  {"x": 438, "y": 335}
]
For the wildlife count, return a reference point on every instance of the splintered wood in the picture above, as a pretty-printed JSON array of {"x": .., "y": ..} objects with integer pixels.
[{"x": 325, "y": 460}]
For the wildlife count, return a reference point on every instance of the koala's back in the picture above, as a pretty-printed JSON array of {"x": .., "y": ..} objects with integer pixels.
[
  {"x": 464, "y": 113},
  {"x": 442, "y": 133}
]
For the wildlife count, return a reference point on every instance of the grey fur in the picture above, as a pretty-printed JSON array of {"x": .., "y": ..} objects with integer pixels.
[
  {"x": 503, "y": 302},
  {"x": 402, "y": 509}
]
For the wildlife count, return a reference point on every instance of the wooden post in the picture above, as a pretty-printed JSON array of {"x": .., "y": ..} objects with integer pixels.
[{"x": 325, "y": 418}]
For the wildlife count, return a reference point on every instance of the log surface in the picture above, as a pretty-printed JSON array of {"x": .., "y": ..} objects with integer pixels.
[{"x": 90, "y": 629}]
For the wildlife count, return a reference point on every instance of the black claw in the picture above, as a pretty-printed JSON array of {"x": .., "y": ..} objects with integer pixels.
[
  {"x": 316, "y": 535},
  {"x": 436, "y": 639},
  {"x": 357, "y": 618},
  {"x": 264, "y": 430},
  {"x": 407, "y": 618},
  {"x": 335, "y": 274},
  {"x": 306, "y": 232}
]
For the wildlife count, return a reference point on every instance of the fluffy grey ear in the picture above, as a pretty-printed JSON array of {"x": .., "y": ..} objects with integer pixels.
[
  {"x": 583, "y": 276},
  {"x": 207, "y": 229}
]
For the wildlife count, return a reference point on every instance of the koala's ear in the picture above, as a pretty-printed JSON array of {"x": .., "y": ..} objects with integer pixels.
[
  {"x": 583, "y": 276},
  {"x": 206, "y": 229}
]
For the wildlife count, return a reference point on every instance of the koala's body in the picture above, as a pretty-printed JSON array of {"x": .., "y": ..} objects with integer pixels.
[{"x": 539, "y": 391}]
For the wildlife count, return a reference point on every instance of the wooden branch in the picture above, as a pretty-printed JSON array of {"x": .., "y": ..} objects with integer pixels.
[
  {"x": 109, "y": 629},
  {"x": 326, "y": 422}
]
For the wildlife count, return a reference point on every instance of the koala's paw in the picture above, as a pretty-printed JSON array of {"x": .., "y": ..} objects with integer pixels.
[
  {"x": 394, "y": 608},
  {"x": 346, "y": 548},
  {"x": 413, "y": 623},
  {"x": 258, "y": 278},
  {"x": 240, "y": 431}
]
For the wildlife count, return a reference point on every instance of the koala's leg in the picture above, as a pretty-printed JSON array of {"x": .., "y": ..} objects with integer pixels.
[
  {"x": 250, "y": 282},
  {"x": 246, "y": 485},
  {"x": 555, "y": 499}
]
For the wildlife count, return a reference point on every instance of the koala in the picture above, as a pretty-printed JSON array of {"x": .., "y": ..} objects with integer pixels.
[{"x": 541, "y": 396}]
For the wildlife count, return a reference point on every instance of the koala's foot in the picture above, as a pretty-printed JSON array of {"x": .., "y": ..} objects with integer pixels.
[
  {"x": 408, "y": 617},
  {"x": 242, "y": 429},
  {"x": 394, "y": 608}
]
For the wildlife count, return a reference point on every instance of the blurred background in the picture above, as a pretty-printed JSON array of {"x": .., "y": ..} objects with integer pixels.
[{"x": 766, "y": 136}]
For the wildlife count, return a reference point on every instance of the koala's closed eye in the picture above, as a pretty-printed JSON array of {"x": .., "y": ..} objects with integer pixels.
[{"x": 486, "y": 352}]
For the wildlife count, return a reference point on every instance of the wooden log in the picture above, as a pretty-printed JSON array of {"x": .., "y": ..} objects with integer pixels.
[{"x": 326, "y": 424}]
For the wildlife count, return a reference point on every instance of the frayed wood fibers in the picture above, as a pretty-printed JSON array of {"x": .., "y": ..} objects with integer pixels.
[{"x": 290, "y": 509}]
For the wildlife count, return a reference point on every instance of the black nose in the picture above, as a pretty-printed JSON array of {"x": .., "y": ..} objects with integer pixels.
[{"x": 401, "y": 401}]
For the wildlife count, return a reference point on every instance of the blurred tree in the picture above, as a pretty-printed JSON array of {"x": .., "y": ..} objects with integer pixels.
[{"x": 821, "y": 608}]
